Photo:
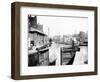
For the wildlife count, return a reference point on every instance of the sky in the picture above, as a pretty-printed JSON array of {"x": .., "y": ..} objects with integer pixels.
[{"x": 63, "y": 25}]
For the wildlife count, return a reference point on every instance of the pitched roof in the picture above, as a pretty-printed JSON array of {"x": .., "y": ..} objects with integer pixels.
[{"x": 33, "y": 30}]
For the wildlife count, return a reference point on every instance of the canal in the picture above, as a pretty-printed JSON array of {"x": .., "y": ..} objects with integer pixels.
[{"x": 81, "y": 57}]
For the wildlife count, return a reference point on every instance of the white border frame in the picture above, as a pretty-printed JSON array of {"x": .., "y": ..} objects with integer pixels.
[{"x": 25, "y": 70}]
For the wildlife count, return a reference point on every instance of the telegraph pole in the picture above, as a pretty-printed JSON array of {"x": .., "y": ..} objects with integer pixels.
[{"x": 48, "y": 31}]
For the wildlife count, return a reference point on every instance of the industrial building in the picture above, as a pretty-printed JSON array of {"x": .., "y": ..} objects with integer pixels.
[{"x": 38, "y": 53}]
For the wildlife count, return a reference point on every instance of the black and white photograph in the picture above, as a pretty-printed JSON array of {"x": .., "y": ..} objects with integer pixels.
[
  {"x": 53, "y": 40},
  {"x": 57, "y": 40}
]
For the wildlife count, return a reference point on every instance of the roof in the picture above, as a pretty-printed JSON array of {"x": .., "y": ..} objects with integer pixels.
[{"x": 33, "y": 30}]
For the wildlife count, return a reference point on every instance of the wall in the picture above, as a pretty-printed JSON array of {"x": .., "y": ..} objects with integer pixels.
[{"x": 5, "y": 40}]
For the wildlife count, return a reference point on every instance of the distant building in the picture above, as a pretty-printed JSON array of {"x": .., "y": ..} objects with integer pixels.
[
  {"x": 83, "y": 36},
  {"x": 56, "y": 38},
  {"x": 65, "y": 39}
]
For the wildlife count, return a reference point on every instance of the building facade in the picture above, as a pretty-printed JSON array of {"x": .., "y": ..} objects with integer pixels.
[
  {"x": 37, "y": 54},
  {"x": 36, "y": 34}
]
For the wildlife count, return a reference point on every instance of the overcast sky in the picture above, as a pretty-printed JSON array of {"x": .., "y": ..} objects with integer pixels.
[{"x": 63, "y": 25}]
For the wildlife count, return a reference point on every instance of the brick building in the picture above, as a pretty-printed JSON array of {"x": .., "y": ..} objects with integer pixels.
[{"x": 37, "y": 54}]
